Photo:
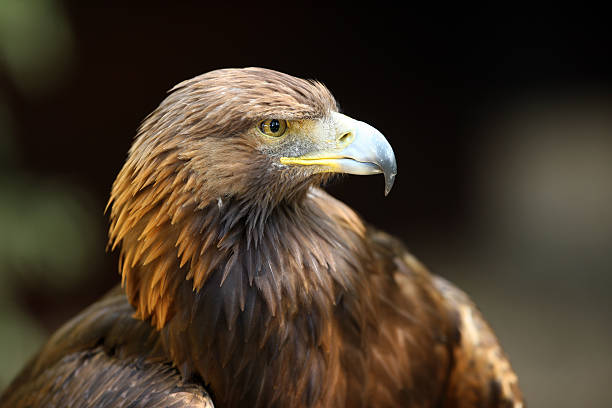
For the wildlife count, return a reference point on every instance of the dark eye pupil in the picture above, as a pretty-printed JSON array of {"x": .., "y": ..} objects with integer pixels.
[{"x": 274, "y": 125}]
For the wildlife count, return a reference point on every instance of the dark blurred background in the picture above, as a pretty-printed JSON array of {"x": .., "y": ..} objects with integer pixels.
[{"x": 502, "y": 128}]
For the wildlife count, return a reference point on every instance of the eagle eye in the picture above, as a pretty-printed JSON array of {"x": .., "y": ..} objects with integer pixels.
[{"x": 273, "y": 127}]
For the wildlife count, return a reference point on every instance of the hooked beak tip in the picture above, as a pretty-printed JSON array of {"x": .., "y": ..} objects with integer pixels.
[{"x": 389, "y": 180}]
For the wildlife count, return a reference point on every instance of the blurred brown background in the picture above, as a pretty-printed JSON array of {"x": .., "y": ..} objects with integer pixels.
[{"x": 502, "y": 128}]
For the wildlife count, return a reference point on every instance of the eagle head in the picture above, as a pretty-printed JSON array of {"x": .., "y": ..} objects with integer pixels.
[{"x": 257, "y": 134}]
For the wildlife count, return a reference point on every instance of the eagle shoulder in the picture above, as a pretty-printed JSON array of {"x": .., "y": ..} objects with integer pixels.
[
  {"x": 94, "y": 379},
  {"x": 103, "y": 358},
  {"x": 478, "y": 371},
  {"x": 481, "y": 372}
]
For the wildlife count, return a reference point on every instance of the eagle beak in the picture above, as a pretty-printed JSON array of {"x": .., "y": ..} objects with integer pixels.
[{"x": 352, "y": 147}]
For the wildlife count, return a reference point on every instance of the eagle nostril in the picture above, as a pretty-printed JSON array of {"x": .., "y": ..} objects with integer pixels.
[{"x": 346, "y": 138}]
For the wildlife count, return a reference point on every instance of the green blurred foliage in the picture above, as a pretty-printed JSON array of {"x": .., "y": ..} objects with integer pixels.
[
  {"x": 45, "y": 227},
  {"x": 36, "y": 43},
  {"x": 48, "y": 232}
]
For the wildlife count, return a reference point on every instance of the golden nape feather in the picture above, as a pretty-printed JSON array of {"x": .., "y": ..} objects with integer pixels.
[{"x": 245, "y": 284}]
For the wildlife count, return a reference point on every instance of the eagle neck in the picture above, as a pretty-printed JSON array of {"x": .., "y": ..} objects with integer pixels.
[{"x": 270, "y": 299}]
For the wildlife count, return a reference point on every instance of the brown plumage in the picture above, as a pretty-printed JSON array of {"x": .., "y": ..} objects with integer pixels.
[{"x": 245, "y": 280}]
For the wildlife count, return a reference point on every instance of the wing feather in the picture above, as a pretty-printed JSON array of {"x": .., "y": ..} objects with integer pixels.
[{"x": 481, "y": 373}]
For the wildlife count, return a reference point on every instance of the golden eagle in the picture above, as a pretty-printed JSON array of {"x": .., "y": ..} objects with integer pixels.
[{"x": 244, "y": 283}]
